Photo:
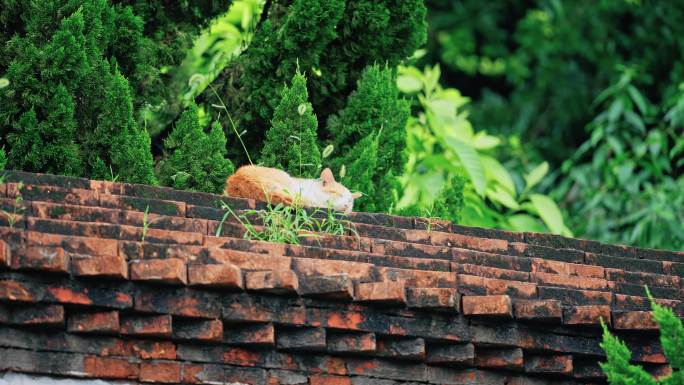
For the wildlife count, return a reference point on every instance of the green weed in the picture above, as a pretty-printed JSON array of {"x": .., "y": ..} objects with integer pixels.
[
  {"x": 18, "y": 208},
  {"x": 146, "y": 223}
]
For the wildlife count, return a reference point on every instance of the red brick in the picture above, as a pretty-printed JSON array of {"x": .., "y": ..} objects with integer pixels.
[
  {"x": 18, "y": 291},
  {"x": 153, "y": 350},
  {"x": 491, "y": 272},
  {"x": 47, "y": 316},
  {"x": 73, "y": 244},
  {"x": 49, "y": 259},
  {"x": 570, "y": 281},
  {"x": 75, "y": 196},
  {"x": 568, "y": 269},
  {"x": 165, "y": 372},
  {"x": 103, "y": 322},
  {"x": 106, "y": 187},
  {"x": 110, "y": 368},
  {"x": 549, "y": 364},
  {"x": 384, "y": 292},
  {"x": 586, "y": 315},
  {"x": 74, "y": 213},
  {"x": 99, "y": 266},
  {"x": 634, "y": 320},
  {"x": 490, "y": 305},
  {"x": 251, "y": 334},
  {"x": 153, "y": 235},
  {"x": 224, "y": 276},
  {"x": 499, "y": 358},
  {"x": 198, "y": 330},
  {"x": 472, "y": 285},
  {"x": 185, "y": 302},
  {"x": 548, "y": 310},
  {"x": 327, "y": 286},
  {"x": 419, "y": 278},
  {"x": 248, "y": 261},
  {"x": 468, "y": 242},
  {"x": 329, "y": 380},
  {"x": 351, "y": 343},
  {"x": 433, "y": 298},
  {"x": 5, "y": 254},
  {"x": 148, "y": 326},
  {"x": 155, "y": 206},
  {"x": 278, "y": 282},
  {"x": 172, "y": 271}
]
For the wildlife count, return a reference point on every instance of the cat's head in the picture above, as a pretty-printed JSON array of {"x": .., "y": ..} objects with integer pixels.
[{"x": 339, "y": 197}]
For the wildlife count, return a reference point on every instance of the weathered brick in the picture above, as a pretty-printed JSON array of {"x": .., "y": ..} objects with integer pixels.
[
  {"x": 81, "y": 293},
  {"x": 507, "y": 262},
  {"x": 14, "y": 291},
  {"x": 587, "y": 369},
  {"x": 575, "y": 282},
  {"x": 277, "y": 282},
  {"x": 45, "y": 316},
  {"x": 223, "y": 276},
  {"x": 58, "y": 364},
  {"x": 101, "y": 322},
  {"x": 561, "y": 364},
  {"x": 329, "y": 380},
  {"x": 393, "y": 292},
  {"x": 74, "y": 244},
  {"x": 146, "y": 326},
  {"x": 304, "y": 339},
  {"x": 153, "y": 350},
  {"x": 351, "y": 343},
  {"x": 674, "y": 268},
  {"x": 572, "y": 297},
  {"x": 634, "y": 320},
  {"x": 474, "y": 285},
  {"x": 48, "y": 259},
  {"x": 165, "y": 372},
  {"x": 586, "y": 315},
  {"x": 548, "y": 310},
  {"x": 156, "y": 206},
  {"x": 419, "y": 278},
  {"x": 4, "y": 314},
  {"x": 565, "y": 268},
  {"x": 198, "y": 330},
  {"x": 469, "y": 242},
  {"x": 511, "y": 359},
  {"x": 250, "y": 334},
  {"x": 111, "y": 368},
  {"x": 99, "y": 266},
  {"x": 629, "y": 264},
  {"x": 491, "y": 272},
  {"x": 402, "y": 371},
  {"x": 69, "y": 228},
  {"x": 401, "y": 348},
  {"x": 404, "y": 249},
  {"x": 248, "y": 261},
  {"x": 629, "y": 302},
  {"x": 286, "y": 377},
  {"x": 327, "y": 286},
  {"x": 451, "y": 354},
  {"x": 243, "y": 307},
  {"x": 547, "y": 253},
  {"x": 444, "y": 299},
  {"x": 490, "y": 305},
  {"x": 171, "y": 271},
  {"x": 74, "y": 213},
  {"x": 154, "y": 235},
  {"x": 74, "y": 196},
  {"x": 5, "y": 254},
  {"x": 222, "y": 374}
]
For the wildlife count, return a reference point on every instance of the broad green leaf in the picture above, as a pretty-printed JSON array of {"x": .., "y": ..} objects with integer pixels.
[
  {"x": 409, "y": 84},
  {"x": 549, "y": 212},
  {"x": 482, "y": 141},
  {"x": 499, "y": 195},
  {"x": 496, "y": 172},
  {"x": 536, "y": 175},
  {"x": 638, "y": 99},
  {"x": 471, "y": 162},
  {"x": 4, "y": 83},
  {"x": 525, "y": 222}
]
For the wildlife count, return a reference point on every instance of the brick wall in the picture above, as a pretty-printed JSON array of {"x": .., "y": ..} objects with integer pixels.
[{"x": 81, "y": 295}]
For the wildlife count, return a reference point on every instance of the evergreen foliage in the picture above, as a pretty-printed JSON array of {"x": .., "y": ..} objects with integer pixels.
[
  {"x": 3, "y": 159},
  {"x": 291, "y": 142},
  {"x": 195, "y": 159},
  {"x": 618, "y": 368},
  {"x": 374, "y": 113}
]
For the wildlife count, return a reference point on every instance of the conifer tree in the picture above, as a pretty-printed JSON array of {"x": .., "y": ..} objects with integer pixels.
[
  {"x": 3, "y": 159},
  {"x": 195, "y": 160},
  {"x": 373, "y": 109},
  {"x": 291, "y": 142}
]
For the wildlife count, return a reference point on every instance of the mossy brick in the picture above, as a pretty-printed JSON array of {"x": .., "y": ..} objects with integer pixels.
[
  {"x": 634, "y": 320},
  {"x": 391, "y": 233},
  {"x": 625, "y": 302},
  {"x": 28, "y": 178},
  {"x": 301, "y": 339},
  {"x": 342, "y": 242},
  {"x": 487, "y": 233},
  {"x": 248, "y": 245},
  {"x": 94, "y": 323},
  {"x": 480, "y": 286},
  {"x": 627, "y": 264},
  {"x": 500, "y": 261},
  {"x": 256, "y": 335},
  {"x": 640, "y": 290},
  {"x": 560, "y": 364},
  {"x": 351, "y": 342},
  {"x": 375, "y": 219},
  {"x": 660, "y": 255},
  {"x": 450, "y": 354},
  {"x": 243, "y": 307},
  {"x": 497, "y": 358},
  {"x": 543, "y": 252},
  {"x": 73, "y": 196},
  {"x": 60, "y": 211},
  {"x": 573, "y": 297},
  {"x": 69, "y": 228},
  {"x": 412, "y": 349},
  {"x": 648, "y": 279},
  {"x": 205, "y": 331},
  {"x": 74, "y": 244},
  {"x": 156, "y": 206},
  {"x": 339, "y": 287},
  {"x": 146, "y": 325},
  {"x": 645, "y": 350},
  {"x": 185, "y": 302},
  {"x": 47, "y": 259},
  {"x": 161, "y": 372}
]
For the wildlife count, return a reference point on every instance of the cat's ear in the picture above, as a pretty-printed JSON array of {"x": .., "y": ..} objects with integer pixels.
[
  {"x": 357, "y": 195},
  {"x": 327, "y": 176}
]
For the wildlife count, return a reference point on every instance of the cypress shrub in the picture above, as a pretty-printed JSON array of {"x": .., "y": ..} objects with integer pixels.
[
  {"x": 291, "y": 142},
  {"x": 195, "y": 160}
]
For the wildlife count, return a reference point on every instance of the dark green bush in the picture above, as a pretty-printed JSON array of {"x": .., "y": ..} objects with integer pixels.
[
  {"x": 3, "y": 159},
  {"x": 291, "y": 142},
  {"x": 374, "y": 114},
  {"x": 620, "y": 371},
  {"x": 195, "y": 159}
]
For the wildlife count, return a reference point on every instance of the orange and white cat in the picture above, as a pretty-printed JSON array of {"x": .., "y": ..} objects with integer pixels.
[{"x": 277, "y": 186}]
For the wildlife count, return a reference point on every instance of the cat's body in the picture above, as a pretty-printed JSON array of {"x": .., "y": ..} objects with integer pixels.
[{"x": 277, "y": 186}]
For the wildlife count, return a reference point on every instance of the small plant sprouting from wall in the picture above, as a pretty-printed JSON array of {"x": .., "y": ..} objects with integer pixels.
[
  {"x": 287, "y": 224},
  {"x": 17, "y": 211}
]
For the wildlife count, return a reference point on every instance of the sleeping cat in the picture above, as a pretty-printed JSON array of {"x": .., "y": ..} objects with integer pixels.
[{"x": 276, "y": 186}]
